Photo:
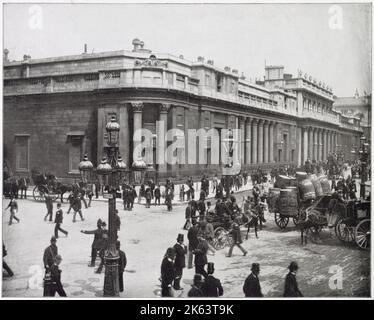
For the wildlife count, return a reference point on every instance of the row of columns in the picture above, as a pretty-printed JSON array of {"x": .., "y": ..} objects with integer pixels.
[
  {"x": 258, "y": 146},
  {"x": 316, "y": 143}
]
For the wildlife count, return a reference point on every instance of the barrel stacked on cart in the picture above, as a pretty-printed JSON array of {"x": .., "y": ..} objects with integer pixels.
[{"x": 290, "y": 195}]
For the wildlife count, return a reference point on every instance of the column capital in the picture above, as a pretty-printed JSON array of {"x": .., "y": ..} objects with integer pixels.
[
  {"x": 255, "y": 121},
  {"x": 137, "y": 106},
  {"x": 260, "y": 122},
  {"x": 266, "y": 122},
  {"x": 165, "y": 107}
]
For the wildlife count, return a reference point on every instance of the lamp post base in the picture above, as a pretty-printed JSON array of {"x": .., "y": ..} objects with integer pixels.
[{"x": 111, "y": 280}]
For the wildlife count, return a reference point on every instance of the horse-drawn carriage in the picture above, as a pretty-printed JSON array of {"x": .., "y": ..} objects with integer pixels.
[
  {"x": 44, "y": 184},
  {"x": 355, "y": 226},
  {"x": 222, "y": 226}
]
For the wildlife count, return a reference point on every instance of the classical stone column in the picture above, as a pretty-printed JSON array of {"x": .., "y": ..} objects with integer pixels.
[
  {"x": 328, "y": 142},
  {"x": 320, "y": 146},
  {"x": 310, "y": 141},
  {"x": 254, "y": 141},
  {"x": 315, "y": 144},
  {"x": 248, "y": 135},
  {"x": 242, "y": 140},
  {"x": 305, "y": 145},
  {"x": 271, "y": 142},
  {"x": 324, "y": 157},
  {"x": 124, "y": 135},
  {"x": 260, "y": 144},
  {"x": 161, "y": 130},
  {"x": 298, "y": 145},
  {"x": 137, "y": 108},
  {"x": 266, "y": 141}
]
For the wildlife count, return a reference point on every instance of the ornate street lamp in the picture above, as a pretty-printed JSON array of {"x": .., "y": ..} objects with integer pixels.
[
  {"x": 139, "y": 168},
  {"x": 112, "y": 167},
  {"x": 85, "y": 168}
]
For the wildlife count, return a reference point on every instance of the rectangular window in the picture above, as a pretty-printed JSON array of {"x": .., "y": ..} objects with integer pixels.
[
  {"x": 75, "y": 153},
  {"x": 207, "y": 80},
  {"x": 22, "y": 153}
]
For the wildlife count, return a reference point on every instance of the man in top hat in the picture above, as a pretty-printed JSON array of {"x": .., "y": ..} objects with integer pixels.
[
  {"x": 193, "y": 241},
  {"x": 290, "y": 287},
  {"x": 167, "y": 272},
  {"x": 252, "y": 286},
  {"x": 122, "y": 262},
  {"x": 195, "y": 290},
  {"x": 212, "y": 286},
  {"x": 180, "y": 261}
]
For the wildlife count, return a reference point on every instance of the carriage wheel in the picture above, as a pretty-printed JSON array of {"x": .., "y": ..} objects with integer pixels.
[
  {"x": 362, "y": 234},
  {"x": 220, "y": 238},
  {"x": 38, "y": 193},
  {"x": 344, "y": 232},
  {"x": 280, "y": 220}
]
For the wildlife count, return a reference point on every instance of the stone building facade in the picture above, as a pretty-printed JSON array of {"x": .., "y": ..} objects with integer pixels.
[{"x": 55, "y": 110}]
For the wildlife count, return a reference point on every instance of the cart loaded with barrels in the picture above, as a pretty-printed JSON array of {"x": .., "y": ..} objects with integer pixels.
[{"x": 291, "y": 196}]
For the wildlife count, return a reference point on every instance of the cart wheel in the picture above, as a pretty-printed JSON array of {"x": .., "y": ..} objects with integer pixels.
[
  {"x": 280, "y": 220},
  {"x": 38, "y": 193},
  {"x": 344, "y": 232},
  {"x": 220, "y": 238},
  {"x": 362, "y": 234}
]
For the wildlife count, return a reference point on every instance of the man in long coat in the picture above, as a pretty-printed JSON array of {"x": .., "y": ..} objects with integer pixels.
[
  {"x": 212, "y": 286},
  {"x": 180, "y": 261},
  {"x": 252, "y": 287},
  {"x": 291, "y": 288},
  {"x": 98, "y": 235},
  {"x": 167, "y": 272}
]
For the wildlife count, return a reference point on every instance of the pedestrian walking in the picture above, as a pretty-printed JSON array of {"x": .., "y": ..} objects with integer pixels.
[
  {"x": 13, "y": 205},
  {"x": 122, "y": 262},
  {"x": 58, "y": 221},
  {"x": 212, "y": 286},
  {"x": 291, "y": 288},
  {"x": 181, "y": 193},
  {"x": 97, "y": 188},
  {"x": 167, "y": 272},
  {"x": 5, "y": 265},
  {"x": 98, "y": 232},
  {"x": 237, "y": 239},
  {"x": 49, "y": 205},
  {"x": 77, "y": 207},
  {"x": 180, "y": 261},
  {"x": 195, "y": 290},
  {"x": 157, "y": 193},
  {"x": 71, "y": 201},
  {"x": 201, "y": 258},
  {"x": 56, "y": 285},
  {"x": 252, "y": 287},
  {"x": 169, "y": 198},
  {"x": 148, "y": 197}
]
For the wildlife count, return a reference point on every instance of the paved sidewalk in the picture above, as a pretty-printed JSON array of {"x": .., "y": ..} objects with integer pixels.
[{"x": 176, "y": 201}]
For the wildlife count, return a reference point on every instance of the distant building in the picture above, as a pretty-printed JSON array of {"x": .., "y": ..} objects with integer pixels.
[
  {"x": 55, "y": 110},
  {"x": 356, "y": 107}
]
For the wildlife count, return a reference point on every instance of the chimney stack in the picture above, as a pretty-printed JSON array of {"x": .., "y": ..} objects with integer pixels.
[
  {"x": 85, "y": 48},
  {"x": 137, "y": 44},
  {"x": 227, "y": 69},
  {"x": 242, "y": 76},
  {"x": 211, "y": 62},
  {"x": 181, "y": 56},
  {"x": 235, "y": 71}
]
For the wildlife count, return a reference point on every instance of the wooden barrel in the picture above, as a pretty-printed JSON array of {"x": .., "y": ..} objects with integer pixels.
[
  {"x": 287, "y": 202},
  {"x": 307, "y": 189},
  {"x": 317, "y": 187},
  {"x": 272, "y": 198},
  {"x": 282, "y": 182},
  {"x": 326, "y": 189},
  {"x": 301, "y": 175}
]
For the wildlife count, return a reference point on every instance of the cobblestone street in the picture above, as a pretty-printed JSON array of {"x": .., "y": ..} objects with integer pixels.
[{"x": 146, "y": 234}]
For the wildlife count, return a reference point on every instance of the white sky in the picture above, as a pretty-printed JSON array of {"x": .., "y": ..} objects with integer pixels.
[{"x": 241, "y": 36}]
